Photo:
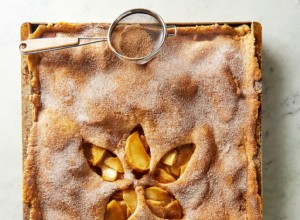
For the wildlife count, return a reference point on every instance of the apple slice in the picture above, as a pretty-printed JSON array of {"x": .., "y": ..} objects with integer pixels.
[
  {"x": 95, "y": 154},
  {"x": 123, "y": 207},
  {"x": 156, "y": 207},
  {"x": 156, "y": 203},
  {"x": 114, "y": 163},
  {"x": 173, "y": 210},
  {"x": 114, "y": 211},
  {"x": 163, "y": 176},
  {"x": 170, "y": 158},
  {"x": 136, "y": 154},
  {"x": 157, "y": 194},
  {"x": 108, "y": 173},
  {"x": 185, "y": 153},
  {"x": 171, "y": 170},
  {"x": 175, "y": 170},
  {"x": 182, "y": 168},
  {"x": 130, "y": 198}
]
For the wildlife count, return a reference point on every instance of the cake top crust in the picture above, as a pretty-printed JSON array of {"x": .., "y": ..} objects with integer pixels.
[{"x": 201, "y": 88}]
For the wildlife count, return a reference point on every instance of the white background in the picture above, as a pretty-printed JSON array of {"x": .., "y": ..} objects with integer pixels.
[{"x": 281, "y": 59}]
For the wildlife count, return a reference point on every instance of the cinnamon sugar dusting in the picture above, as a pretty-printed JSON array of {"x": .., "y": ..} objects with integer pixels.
[{"x": 199, "y": 89}]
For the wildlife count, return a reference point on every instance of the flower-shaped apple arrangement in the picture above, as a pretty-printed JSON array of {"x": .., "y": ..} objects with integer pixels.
[{"x": 123, "y": 203}]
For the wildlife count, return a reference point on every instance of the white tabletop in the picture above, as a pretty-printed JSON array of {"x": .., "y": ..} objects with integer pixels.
[{"x": 281, "y": 83}]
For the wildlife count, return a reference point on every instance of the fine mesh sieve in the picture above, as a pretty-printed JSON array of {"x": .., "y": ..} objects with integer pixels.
[{"x": 136, "y": 35}]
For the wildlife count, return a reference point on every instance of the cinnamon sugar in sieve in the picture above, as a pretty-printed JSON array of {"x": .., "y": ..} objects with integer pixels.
[{"x": 136, "y": 41}]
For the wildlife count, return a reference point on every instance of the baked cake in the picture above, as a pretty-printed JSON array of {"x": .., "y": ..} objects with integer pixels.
[{"x": 176, "y": 138}]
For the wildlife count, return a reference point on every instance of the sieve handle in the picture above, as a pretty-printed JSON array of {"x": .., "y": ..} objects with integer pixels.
[{"x": 48, "y": 44}]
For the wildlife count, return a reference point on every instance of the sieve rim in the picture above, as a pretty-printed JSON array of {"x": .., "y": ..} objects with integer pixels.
[{"x": 136, "y": 11}]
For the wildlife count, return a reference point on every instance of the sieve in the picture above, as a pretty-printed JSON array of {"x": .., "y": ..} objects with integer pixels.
[{"x": 136, "y": 35}]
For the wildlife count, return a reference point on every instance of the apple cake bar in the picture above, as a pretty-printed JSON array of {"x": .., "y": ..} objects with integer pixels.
[{"x": 175, "y": 138}]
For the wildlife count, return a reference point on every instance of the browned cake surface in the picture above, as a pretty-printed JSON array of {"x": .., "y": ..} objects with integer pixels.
[{"x": 202, "y": 88}]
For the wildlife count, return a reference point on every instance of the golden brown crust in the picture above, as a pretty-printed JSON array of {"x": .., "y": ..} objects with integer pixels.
[
  {"x": 59, "y": 127},
  {"x": 26, "y": 111}
]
